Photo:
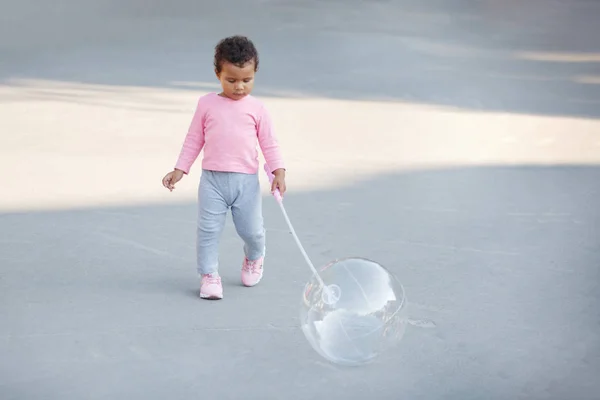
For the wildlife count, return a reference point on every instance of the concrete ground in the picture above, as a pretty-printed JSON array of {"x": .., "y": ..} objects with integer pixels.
[{"x": 456, "y": 142}]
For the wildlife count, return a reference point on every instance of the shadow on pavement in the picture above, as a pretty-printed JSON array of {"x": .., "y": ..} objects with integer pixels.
[
  {"x": 536, "y": 57},
  {"x": 102, "y": 303}
]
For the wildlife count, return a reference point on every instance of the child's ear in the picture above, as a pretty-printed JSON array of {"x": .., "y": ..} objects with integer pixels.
[{"x": 217, "y": 73}]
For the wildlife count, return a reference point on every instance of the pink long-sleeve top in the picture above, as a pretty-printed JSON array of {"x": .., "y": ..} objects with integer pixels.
[{"x": 229, "y": 131}]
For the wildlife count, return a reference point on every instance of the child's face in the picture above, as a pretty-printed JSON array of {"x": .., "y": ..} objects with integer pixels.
[{"x": 237, "y": 82}]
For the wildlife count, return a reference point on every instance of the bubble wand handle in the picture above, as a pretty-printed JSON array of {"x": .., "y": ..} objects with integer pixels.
[{"x": 279, "y": 198}]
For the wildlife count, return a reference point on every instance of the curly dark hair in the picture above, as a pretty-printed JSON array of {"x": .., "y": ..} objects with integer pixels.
[{"x": 237, "y": 50}]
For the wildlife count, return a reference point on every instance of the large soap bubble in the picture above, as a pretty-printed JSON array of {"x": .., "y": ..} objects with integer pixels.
[{"x": 353, "y": 311}]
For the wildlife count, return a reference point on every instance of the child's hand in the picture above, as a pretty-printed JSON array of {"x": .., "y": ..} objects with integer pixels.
[
  {"x": 172, "y": 178},
  {"x": 279, "y": 181}
]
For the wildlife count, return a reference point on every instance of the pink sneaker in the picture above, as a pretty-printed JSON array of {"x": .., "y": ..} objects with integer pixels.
[
  {"x": 252, "y": 271},
  {"x": 210, "y": 287}
]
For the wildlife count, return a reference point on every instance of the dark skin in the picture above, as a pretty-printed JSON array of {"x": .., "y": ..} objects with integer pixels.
[{"x": 237, "y": 82}]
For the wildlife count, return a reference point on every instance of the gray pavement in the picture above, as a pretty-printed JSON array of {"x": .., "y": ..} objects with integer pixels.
[
  {"x": 485, "y": 206},
  {"x": 480, "y": 54}
]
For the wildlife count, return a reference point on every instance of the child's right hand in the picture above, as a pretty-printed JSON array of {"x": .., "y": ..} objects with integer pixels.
[{"x": 172, "y": 178}]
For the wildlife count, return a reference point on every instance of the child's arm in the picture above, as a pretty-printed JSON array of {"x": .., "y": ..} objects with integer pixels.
[
  {"x": 268, "y": 142},
  {"x": 193, "y": 143},
  {"x": 270, "y": 149}
]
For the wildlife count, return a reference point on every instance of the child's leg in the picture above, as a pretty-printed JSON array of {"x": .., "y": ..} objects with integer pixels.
[
  {"x": 212, "y": 211},
  {"x": 246, "y": 212}
]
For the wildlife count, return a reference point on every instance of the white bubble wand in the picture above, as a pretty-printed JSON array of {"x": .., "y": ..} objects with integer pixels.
[{"x": 331, "y": 294}]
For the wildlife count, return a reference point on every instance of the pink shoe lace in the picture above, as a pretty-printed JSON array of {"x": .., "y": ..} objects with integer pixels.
[
  {"x": 252, "y": 266},
  {"x": 211, "y": 280}
]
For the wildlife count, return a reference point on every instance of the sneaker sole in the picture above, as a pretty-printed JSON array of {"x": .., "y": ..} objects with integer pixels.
[{"x": 210, "y": 296}]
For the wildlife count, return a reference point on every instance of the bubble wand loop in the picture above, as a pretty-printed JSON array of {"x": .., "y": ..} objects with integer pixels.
[{"x": 328, "y": 294}]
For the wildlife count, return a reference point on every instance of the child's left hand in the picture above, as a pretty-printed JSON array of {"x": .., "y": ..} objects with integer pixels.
[{"x": 278, "y": 181}]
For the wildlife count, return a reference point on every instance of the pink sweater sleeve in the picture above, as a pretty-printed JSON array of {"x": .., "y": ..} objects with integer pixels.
[
  {"x": 268, "y": 142},
  {"x": 193, "y": 143}
]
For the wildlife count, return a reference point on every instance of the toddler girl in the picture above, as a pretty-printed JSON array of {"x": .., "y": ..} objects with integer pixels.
[{"x": 228, "y": 126}]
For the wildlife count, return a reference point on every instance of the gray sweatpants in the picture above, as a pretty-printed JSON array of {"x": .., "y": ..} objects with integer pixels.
[{"x": 217, "y": 193}]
